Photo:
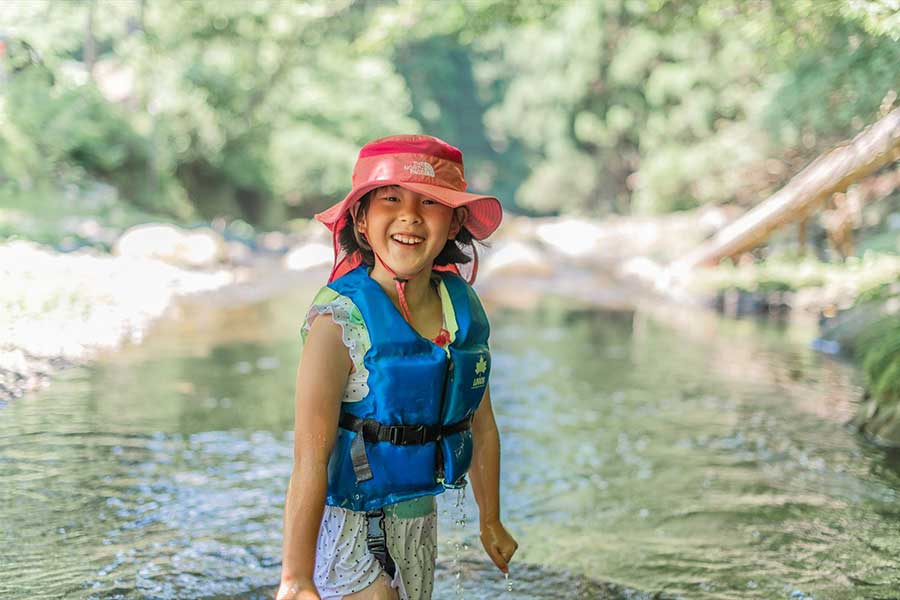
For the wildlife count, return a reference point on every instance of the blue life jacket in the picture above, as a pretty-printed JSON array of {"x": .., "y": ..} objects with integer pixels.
[{"x": 410, "y": 435}]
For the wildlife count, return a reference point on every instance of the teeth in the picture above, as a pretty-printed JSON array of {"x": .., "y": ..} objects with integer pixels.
[{"x": 407, "y": 239}]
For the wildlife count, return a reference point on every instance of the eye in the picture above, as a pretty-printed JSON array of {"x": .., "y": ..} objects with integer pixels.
[
  {"x": 391, "y": 198},
  {"x": 428, "y": 201}
]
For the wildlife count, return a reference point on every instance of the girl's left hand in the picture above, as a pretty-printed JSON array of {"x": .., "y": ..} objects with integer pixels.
[{"x": 499, "y": 544}]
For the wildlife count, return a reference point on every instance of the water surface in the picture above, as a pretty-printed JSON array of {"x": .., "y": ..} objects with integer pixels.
[{"x": 645, "y": 453}]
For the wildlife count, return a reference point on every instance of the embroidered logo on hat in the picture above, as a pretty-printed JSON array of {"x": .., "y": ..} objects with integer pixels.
[{"x": 419, "y": 167}]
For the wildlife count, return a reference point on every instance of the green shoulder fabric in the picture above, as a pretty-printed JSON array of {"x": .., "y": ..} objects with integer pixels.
[
  {"x": 449, "y": 313},
  {"x": 323, "y": 297}
]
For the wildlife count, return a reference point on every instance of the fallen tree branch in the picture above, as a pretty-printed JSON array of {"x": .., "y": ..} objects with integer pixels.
[{"x": 876, "y": 146}]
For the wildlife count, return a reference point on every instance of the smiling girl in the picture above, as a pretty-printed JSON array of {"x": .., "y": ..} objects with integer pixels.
[{"x": 392, "y": 402}]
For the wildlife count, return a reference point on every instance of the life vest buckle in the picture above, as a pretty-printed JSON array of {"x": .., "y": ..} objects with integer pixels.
[{"x": 405, "y": 435}]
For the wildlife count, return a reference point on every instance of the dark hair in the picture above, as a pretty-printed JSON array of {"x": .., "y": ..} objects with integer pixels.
[{"x": 351, "y": 241}]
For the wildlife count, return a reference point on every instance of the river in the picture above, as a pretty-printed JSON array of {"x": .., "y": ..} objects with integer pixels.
[{"x": 647, "y": 453}]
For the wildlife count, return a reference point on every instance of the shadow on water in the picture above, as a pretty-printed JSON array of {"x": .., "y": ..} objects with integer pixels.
[{"x": 681, "y": 456}]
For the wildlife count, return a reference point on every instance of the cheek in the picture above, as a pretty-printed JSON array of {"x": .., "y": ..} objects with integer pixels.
[{"x": 443, "y": 220}]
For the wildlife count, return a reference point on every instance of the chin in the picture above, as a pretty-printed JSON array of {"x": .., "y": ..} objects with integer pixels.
[{"x": 407, "y": 271}]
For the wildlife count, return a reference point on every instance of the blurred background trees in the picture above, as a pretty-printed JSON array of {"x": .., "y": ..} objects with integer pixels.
[{"x": 255, "y": 110}]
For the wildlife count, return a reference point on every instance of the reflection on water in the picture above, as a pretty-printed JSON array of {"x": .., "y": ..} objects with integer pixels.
[{"x": 697, "y": 458}]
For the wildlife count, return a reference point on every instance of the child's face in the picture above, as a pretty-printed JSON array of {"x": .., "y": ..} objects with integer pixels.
[{"x": 406, "y": 230}]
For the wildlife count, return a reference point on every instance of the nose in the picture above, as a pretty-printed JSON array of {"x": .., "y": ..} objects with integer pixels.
[{"x": 409, "y": 212}]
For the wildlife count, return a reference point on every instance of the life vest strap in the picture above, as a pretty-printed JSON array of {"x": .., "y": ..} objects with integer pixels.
[
  {"x": 376, "y": 541},
  {"x": 401, "y": 435}
]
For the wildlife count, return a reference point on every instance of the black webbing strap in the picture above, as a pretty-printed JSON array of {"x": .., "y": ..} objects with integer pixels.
[
  {"x": 401, "y": 435},
  {"x": 372, "y": 431},
  {"x": 376, "y": 541}
]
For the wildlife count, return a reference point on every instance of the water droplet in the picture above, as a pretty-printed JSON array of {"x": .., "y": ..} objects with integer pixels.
[
  {"x": 460, "y": 519},
  {"x": 508, "y": 582}
]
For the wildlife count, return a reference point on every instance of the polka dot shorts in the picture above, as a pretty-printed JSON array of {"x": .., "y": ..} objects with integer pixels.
[{"x": 344, "y": 564}]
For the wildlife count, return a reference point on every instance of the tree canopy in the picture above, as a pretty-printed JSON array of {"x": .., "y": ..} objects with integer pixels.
[{"x": 256, "y": 109}]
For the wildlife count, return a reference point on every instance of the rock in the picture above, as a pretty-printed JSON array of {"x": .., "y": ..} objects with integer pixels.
[
  {"x": 309, "y": 256},
  {"x": 711, "y": 219},
  {"x": 644, "y": 269},
  {"x": 196, "y": 248},
  {"x": 571, "y": 237},
  {"x": 239, "y": 253},
  {"x": 515, "y": 258},
  {"x": 13, "y": 360},
  {"x": 273, "y": 241}
]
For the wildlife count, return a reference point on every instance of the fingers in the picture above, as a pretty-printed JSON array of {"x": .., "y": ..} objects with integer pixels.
[
  {"x": 501, "y": 555},
  {"x": 499, "y": 559},
  {"x": 499, "y": 545}
]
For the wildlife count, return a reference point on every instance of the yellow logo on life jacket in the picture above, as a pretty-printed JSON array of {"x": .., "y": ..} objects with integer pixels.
[{"x": 480, "y": 373}]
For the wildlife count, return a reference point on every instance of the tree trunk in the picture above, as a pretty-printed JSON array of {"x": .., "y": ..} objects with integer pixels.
[
  {"x": 876, "y": 146},
  {"x": 801, "y": 236},
  {"x": 90, "y": 44}
]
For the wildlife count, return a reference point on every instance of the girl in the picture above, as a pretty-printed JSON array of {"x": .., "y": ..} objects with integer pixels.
[{"x": 392, "y": 401}]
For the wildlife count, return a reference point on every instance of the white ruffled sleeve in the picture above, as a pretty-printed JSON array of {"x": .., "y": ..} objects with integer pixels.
[{"x": 353, "y": 333}]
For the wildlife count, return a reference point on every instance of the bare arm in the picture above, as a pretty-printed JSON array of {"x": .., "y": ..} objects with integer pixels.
[
  {"x": 321, "y": 379},
  {"x": 485, "y": 471},
  {"x": 485, "y": 478}
]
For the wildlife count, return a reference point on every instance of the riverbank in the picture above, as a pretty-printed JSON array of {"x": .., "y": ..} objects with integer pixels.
[
  {"x": 60, "y": 309},
  {"x": 65, "y": 307}
]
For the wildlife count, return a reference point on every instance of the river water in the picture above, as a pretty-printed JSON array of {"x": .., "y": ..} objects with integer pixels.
[{"x": 646, "y": 453}]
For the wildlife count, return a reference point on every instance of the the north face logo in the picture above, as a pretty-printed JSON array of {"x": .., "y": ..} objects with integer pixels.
[{"x": 419, "y": 167}]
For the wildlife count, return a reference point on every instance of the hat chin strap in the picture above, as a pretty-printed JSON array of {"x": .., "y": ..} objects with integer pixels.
[{"x": 400, "y": 283}]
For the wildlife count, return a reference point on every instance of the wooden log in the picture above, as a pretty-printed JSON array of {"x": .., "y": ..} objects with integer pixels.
[{"x": 871, "y": 149}]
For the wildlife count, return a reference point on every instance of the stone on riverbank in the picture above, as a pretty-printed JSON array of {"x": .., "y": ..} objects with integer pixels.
[
  {"x": 197, "y": 248},
  {"x": 63, "y": 308},
  {"x": 309, "y": 256},
  {"x": 519, "y": 258}
]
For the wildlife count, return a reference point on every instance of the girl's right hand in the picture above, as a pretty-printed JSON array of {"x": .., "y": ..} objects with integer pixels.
[{"x": 297, "y": 589}]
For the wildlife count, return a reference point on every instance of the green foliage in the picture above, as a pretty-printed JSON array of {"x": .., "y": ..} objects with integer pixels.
[
  {"x": 878, "y": 17},
  {"x": 836, "y": 88},
  {"x": 879, "y": 347},
  {"x": 641, "y": 105},
  {"x": 59, "y": 128},
  {"x": 868, "y": 277},
  {"x": 256, "y": 109}
]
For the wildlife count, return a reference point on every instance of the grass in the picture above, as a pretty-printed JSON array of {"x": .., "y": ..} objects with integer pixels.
[
  {"x": 846, "y": 280},
  {"x": 878, "y": 351}
]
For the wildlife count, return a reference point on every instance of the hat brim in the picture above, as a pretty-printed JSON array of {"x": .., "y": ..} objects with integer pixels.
[{"x": 484, "y": 212}]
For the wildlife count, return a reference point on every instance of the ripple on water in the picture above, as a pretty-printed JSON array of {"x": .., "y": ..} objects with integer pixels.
[{"x": 711, "y": 471}]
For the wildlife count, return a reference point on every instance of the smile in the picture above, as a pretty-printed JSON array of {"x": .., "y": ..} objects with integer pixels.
[{"x": 407, "y": 240}]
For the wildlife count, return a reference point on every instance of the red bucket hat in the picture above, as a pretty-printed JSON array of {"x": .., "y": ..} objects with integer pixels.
[{"x": 419, "y": 163}]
